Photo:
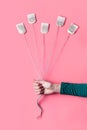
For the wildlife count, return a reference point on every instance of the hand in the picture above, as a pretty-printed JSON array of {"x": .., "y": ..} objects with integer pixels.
[{"x": 43, "y": 87}]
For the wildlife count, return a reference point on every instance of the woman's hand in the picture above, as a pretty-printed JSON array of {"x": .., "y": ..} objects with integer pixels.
[{"x": 43, "y": 87}]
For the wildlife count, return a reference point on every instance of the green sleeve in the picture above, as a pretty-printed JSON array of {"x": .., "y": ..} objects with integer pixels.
[{"x": 75, "y": 89}]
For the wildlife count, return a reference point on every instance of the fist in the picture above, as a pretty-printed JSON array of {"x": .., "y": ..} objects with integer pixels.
[{"x": 43, "y": 87}]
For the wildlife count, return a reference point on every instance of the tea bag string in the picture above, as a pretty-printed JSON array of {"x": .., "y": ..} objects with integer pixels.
[
  {"x": 59, "y": 54},
  {"x": 37, "y": 49},
  {"x": 44, "y": 55},
  {"x": 38, "y": 75},
  {"x": 40, "y": 107},
  {"x": 51, "y": 55},
  {"x": 41, "y": 66},
  {"x": 43, "y": 72},
  {"x": 32, "y": 58}
]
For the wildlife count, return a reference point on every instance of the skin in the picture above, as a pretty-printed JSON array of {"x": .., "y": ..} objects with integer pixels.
[{"x": 40, "y": 89}]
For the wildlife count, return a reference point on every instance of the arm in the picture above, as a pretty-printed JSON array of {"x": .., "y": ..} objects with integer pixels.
[{"x": 75, "y": 89}]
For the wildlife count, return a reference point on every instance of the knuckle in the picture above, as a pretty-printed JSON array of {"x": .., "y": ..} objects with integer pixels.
[
  {"x": 37, "y": 90},
  {"x": 37, "y": 93}
]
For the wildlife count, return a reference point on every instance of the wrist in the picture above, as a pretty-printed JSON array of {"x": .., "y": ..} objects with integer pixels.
[{"x": 57, "y": 87}]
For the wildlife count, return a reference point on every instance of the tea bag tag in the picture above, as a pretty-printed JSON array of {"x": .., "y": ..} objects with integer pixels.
[
  {"x": 72, "y": 28},
  {"x": 44, "y": 28},
  {"x": 60, "y": 21},
  {"x": 31, "y": 18},
  {"x": 21, "y": 28}
]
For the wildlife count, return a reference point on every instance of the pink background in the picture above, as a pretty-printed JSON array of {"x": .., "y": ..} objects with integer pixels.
[{"x": 18, "y": 109}]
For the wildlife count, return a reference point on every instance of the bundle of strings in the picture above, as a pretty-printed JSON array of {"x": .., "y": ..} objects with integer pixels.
[{"x": 40, "y": 70}]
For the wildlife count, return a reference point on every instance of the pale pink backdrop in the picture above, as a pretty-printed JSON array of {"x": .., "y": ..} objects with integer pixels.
[{"x": 18, "y": 109}]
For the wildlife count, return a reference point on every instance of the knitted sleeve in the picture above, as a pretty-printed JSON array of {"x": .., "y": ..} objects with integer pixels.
[{"x": 75, "y": 89}]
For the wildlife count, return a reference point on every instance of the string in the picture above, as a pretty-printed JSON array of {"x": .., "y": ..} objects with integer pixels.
[
  {"x": 38, "y": 75},
  {"x": 38, "y": 104},
  {"x": 44, "y": 54},
  {"x": 58, "y": 55},
  {"x": 51, "y": 55},
  {"x": 43, "y": 72},
  {"x": 37, "y": 49},
  {"x": 41, "y": 69},
  {"x": 32, "y": 58}
]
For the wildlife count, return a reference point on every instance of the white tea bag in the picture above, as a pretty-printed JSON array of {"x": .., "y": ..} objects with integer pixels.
[
  {"x": 44, "y": 27},
  {"x": 60, "y": 21},
  {"x": 31, "y": 18},
  {"x": 72, "y": 28},
  {"x": 21, "y": 28}
]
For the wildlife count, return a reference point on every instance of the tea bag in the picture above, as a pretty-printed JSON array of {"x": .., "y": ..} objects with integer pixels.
[
  {"x": 60, "y": 21},
  {"x": 31, "y": 18},
  {"x": 44, "y": 28},
  {"x": 72, "y": 28},
  {"x": 21, "y": 28}
]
